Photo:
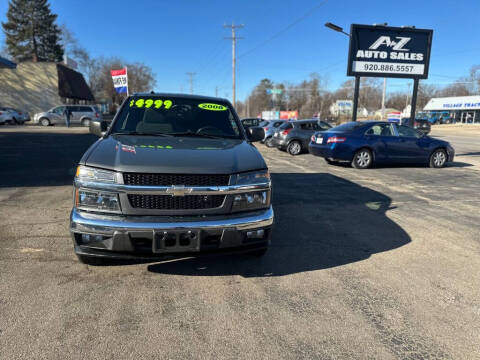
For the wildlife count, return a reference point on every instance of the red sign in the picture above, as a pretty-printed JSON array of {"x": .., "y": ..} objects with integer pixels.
[{"x": 286, "y": 115}]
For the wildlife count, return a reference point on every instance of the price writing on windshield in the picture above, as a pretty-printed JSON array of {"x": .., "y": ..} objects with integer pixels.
[
  {"x": 212, "y": 107},
  {"x": 148, "y": 103}
]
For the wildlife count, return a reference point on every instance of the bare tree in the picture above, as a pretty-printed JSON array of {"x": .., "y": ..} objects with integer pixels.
[
  {"x": 425, "y": 93},
  {"x": 140, "y": 78},
  {"x": 455, "y": 89},
  {"x": 397, "y": 100}
]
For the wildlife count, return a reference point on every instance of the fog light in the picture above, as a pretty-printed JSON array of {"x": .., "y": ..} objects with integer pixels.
[
  {"x": 256, "y": 234},
  {"x": 87, "y": 238}
]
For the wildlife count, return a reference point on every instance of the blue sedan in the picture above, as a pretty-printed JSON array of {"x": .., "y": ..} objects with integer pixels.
[{"x": 365, "y": 143}]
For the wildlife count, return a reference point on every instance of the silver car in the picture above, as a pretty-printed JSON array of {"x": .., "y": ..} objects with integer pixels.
[
  {"x": 80, "y": 114},
  {"x": 5, "y": 116},
  {"x": 270, "y": 126},
  {"x": 15, "y": 116}
]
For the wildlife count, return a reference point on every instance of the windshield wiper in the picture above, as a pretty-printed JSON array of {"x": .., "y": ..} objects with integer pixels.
[
  {"x": 141, "y": 133},
  {"x": 190, "y": 133}
]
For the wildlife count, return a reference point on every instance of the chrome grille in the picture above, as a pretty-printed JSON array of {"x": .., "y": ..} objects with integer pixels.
[
  {"x": 168, "y": 202},
  {"x": 175, "y": 179}
]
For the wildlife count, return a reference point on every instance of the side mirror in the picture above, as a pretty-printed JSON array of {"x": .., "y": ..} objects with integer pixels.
[
  {"x": 98, "y": 127},
  {"x": 255, "y": 133}
]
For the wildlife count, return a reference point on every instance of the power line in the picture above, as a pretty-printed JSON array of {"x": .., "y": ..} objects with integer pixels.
[
  {"x": 234, "y": 39},
  {"x": 191, "y": 75},
  {"x": 288, "y": 27},
  {"x": 216, "y": 51}
]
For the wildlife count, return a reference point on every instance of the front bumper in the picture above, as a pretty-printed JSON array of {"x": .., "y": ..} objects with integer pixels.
[
  {"x": 450, "y": 153},
  {"x": 119, "y": 236}
]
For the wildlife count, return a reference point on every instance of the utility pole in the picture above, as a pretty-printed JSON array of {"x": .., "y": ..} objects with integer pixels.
[
  {"x": 216, "y": 91},
  {"x": 234, "y": 39},
  {"x": 383, "y": 96},
  {"x": 191, "y": 75},
  {"x": 408, "y": 92}
]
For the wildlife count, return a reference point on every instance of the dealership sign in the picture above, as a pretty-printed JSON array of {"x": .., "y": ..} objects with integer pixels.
[
  {"x": 389, "y": 51},
  {"x": 120, "y": 80},
  {"x": 454, "y": 103}
]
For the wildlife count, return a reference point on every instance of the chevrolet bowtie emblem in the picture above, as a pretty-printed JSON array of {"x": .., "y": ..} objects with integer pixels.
[{"x": 179, "y": 190}]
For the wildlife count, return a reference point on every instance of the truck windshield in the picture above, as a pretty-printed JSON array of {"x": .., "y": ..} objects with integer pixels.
[{"x": 154, "y": 115}]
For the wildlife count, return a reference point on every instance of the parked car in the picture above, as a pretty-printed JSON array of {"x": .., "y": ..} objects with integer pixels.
[
  {"x": 16, "y": 116},
  {"x": 80, "y": 114},
  {"x": 422, "y": 125},
  {"x": 4, "y": 117},
  {"x": 294, "y": 136},
  {"x": 179, "y": 177},
  {"x": 364, "y": 143},
  {"x": 249, "y": 122},
  {"x": 269, "y": 127}
]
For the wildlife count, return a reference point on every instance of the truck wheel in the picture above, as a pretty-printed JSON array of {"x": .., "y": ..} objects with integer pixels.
[
  {"x": 362, "y": 159},
  {"x": 438, "y": 159},
  {"x": 294, "y": 148},
  {"x": 44, "y": 122},
  {"x": 90, "y": 260}
]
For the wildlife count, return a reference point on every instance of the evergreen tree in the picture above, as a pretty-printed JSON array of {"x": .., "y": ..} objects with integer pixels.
[{"x": 31, "y": 32}]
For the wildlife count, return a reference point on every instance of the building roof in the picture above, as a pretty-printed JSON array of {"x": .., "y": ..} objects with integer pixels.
[
  {"x": 7, "y": 64},
  {"x": 71, "y": 84},
  {"x": 454, "y": 103}
]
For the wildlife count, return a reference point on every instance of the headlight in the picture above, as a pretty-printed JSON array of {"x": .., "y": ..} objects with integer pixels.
[
  {"x": 85, "y": 173},
  {"x": 254, "y": 177},
  {"x": 251, "y": 201},
  {"x": 96, "y": 200}
]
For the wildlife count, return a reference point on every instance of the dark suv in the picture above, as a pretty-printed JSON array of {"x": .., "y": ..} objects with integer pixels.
[
  {"x": 422, "y": 125},
  {"x": 172, "y": 174},
  {"x": 294, "y": 136},
  {"x": 249, "y": 122}
]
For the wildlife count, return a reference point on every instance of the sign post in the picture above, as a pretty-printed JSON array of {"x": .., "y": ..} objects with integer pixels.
[
  {"x": 414, "y": 100},
  {"x": 385, "y": 51},
  {"x": 355, "y": 98}
]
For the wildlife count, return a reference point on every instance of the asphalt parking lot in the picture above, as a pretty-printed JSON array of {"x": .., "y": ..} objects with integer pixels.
[{"x": 381, "y": 263}]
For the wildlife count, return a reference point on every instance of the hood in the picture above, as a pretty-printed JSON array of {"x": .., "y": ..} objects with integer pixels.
[{"x": 181, "y": 155}]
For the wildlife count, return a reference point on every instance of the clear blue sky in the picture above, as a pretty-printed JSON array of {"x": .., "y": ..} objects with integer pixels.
[{"x": 174, "y": 37}]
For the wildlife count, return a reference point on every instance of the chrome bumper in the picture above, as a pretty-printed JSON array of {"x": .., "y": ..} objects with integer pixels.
[
  {"x": 89, "y": 223},
  {"x": 118, "y": 236}
]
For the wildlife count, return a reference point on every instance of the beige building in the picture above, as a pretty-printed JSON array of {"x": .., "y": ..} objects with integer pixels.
[{"x": 35, "y": 87}]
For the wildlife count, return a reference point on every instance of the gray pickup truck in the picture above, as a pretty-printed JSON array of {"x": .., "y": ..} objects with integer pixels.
[{"x": 171, "y": 174}]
